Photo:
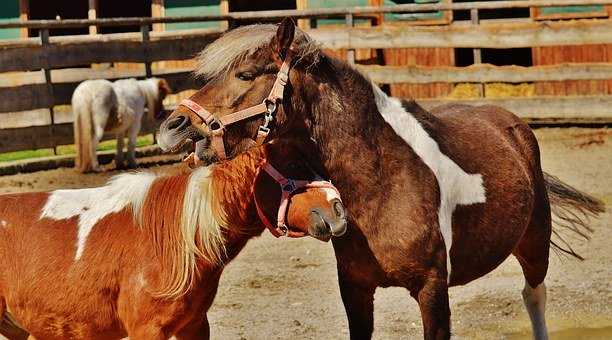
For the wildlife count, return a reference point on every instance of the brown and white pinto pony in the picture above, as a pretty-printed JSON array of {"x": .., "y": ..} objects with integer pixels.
[
  {"x": 142, "y": 256},
  {"x": 435, "y": 199}
]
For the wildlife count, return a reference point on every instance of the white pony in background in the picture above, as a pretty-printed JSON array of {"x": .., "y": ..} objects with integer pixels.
[{"x": 100, "y": 106}]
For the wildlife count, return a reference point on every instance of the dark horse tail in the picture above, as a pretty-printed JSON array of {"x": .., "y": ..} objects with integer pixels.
[{"x": 571, "y": 209}]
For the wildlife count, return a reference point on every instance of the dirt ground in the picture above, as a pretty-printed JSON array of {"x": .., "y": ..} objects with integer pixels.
[{"x": 287, "y": 289}]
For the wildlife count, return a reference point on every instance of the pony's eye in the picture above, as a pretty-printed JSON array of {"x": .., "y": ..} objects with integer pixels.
[{"x": 245, "y": 76}]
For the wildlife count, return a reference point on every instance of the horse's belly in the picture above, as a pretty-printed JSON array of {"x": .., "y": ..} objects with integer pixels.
[
  {"x": 50, "y": 323},
  {"x": 484, "y": 235}
]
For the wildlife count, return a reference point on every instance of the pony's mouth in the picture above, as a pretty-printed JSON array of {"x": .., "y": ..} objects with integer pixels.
[{"x": 197, "y": 153}]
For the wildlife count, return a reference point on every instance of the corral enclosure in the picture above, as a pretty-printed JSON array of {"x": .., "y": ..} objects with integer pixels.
[{"x": 552, "y": 57}]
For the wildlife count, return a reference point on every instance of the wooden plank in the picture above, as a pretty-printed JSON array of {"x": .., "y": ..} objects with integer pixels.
[
  {"x": 551, "y": 109},
  {"x": 506, "y": 35},
  {"x": 306, "y": 13},
  {"x": 49, "y": 136},
  {"x": 487, "y": 73},
  {"x": 35, "y": 96},
  {"x": 70, "y": 51},
  {"x": 127, "y": 47}
]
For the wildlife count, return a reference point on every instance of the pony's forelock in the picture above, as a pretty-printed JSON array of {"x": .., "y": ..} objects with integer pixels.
[{"x": 231, "y": 49}]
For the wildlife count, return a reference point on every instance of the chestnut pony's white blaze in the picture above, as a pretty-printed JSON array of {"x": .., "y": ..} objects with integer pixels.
[{"x": 456, "y": 186}]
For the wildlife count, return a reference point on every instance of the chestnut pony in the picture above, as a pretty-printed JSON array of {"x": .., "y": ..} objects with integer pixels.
[
  {"x": 142, "y": 256},
  {"x": 435, "y": 199}
]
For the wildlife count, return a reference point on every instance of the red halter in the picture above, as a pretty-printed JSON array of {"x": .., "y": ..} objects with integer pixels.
[
  {"x": 216, "y": 126},
  {"x": 288, "y": 188}
]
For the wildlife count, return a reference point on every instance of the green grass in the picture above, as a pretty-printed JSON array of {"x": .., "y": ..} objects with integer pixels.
[{"x": 67, "y": 150}]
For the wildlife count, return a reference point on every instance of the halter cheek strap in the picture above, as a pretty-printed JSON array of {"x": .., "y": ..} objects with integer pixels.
[
  {"x": 216, "y": 126},
  {"x": 288, "y": 188}
]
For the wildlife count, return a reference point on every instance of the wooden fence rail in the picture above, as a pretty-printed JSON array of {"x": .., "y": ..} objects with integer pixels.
[
  {"x": 487, "y": 73},
  {"x": 304, "y": 13}
]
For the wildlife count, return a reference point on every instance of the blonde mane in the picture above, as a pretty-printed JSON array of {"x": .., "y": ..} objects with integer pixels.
[
  {"x": 184, "y": 228},
  {"x": 233, "y": 47}
]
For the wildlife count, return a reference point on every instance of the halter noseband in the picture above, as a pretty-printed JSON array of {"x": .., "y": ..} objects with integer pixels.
[
  {"x": 216, "y": 126},
  {"x": 288, "y": 188}
]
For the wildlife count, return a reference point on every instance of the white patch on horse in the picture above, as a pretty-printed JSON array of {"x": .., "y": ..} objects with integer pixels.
[
  {"x": 92, "y": 205},
  {"x": 456, "y": 186},
  {"x": 4, "y": 223}
]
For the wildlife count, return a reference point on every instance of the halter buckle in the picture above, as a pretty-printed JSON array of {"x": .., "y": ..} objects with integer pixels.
[
  {"x": 289, "y": 186},
  {"x": 284, "y": 229}
]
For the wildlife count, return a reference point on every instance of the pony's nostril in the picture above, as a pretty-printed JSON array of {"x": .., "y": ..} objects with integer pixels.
[
  {"x": 177, "y": 122},
  {"x": 338, "y": 208}
]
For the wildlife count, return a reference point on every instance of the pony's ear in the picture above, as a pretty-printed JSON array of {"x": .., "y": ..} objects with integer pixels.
[{"x": 284, "y": 36}]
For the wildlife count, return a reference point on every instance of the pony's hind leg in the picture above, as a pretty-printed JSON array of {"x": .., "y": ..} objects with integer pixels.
[
  {"x": 532, "y": 254},
  {"x": 132, "y": 136}
]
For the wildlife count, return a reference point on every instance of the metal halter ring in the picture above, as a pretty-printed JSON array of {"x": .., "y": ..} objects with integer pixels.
[
  {"x": 284, "y": 229},
  {"x": 213, "y": 123},
  {"x": 270, "y": 106}
]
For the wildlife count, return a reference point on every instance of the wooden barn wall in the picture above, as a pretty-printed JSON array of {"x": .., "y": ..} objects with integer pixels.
[
  {"x": 568, "y": 54},
  {"x": 420, "y": 57}
]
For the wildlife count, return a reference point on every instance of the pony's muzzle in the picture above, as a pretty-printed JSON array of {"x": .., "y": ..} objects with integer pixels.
[{"x": 323, "y": 226}]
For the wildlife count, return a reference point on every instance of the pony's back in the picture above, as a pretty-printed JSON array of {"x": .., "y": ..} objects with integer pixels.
[{"x": 92, "y": 101}]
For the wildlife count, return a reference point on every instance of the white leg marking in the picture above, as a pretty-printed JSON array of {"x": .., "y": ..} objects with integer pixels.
[
  {"x": 92, "y": 205},
  {"x": 535, "y": 303},
  {"x": 456, "y": 186}
]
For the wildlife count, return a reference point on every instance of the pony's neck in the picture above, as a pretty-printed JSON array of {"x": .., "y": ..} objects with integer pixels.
[
  {"x": 233, "y": 190},
  {"x": 344, "y": 121},
  {"x": 199, "y": 221}
]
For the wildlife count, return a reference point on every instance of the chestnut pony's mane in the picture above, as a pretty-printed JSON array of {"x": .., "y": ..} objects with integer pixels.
[
  {"x": 223, "y": 54},
  {"x": 189, "y": 228}
]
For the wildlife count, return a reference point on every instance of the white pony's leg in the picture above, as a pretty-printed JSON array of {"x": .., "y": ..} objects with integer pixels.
[
  {"x": 120, "y": 145},
  {"x": 535, "y": 303},
  {"x": 132, "y": 135},
  {"x": 98, "y": 133}
]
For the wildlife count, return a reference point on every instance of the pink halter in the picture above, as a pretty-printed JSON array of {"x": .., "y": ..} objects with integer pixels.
[
  {"x": 288, "y": 188},
  {"x": 216, "y": 126}
]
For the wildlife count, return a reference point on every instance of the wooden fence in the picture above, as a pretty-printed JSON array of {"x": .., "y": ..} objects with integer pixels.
[{"x": 41, "y": 73}]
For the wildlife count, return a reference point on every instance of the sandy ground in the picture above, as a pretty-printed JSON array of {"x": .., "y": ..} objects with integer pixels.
[{"x": 287, "y": 289}]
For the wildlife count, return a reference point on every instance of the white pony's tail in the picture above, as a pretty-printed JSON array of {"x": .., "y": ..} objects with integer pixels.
[{"x": 83, "y": 133}]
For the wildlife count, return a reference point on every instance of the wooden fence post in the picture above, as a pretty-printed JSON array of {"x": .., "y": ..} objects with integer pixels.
[
  {"x": 44, "y": 39},
  {"x": 477, "y": 51},
  {"x": 350, "y": 53},
  {"x": 144, "y": 29}
]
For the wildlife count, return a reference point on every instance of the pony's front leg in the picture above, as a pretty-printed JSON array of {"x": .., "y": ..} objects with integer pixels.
[
  {"x": 358, "y": 302},
  {"x": 435, "y": 311},
  {"x": 195, "y": 330},
  {"x": 119, "y": 155},
  {"x": 133, "y": 134}
]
